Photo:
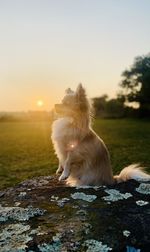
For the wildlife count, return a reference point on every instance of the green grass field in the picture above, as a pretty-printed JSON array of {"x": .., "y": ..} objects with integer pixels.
[{"x": 26, "y": 149}]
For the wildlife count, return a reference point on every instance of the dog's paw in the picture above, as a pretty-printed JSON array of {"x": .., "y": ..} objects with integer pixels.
[
  {"x": 58, "y": 171},
  {"x": 63, "y": 176}
]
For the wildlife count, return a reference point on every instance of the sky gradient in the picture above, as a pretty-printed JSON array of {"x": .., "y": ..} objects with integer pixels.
[{"x": 49, "y": 45}]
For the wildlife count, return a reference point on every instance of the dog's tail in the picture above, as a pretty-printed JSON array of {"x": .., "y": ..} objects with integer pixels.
[{"x": 133, "y": 171}]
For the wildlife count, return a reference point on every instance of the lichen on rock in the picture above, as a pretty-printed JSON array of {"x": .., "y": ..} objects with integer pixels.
[
  {"x": 60, "y": 202},
  {"x": 54, "y": 247},
  {"x": 96, "y": 246},
  {"x": 36, "y": 182},
  {"x": 19, "y": 213},
  {"x": 132, "y": 249},
  {"x": 83, "y": 196},
  {"x": 141, "y": 202},
  {"x": 22, "y": 194},
  {"x": 14, "y": 238},
  {"x": 126, "y": 233},
  {"x": 143, "y": 188},
  {"x": 115, "y": 195}
]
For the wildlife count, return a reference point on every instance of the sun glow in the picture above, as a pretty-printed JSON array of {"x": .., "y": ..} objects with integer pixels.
[{"x": 40, "y": 103}]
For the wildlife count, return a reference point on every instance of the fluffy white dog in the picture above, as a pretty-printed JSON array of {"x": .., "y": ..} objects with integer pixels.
[{"x": 83, "y": 156}]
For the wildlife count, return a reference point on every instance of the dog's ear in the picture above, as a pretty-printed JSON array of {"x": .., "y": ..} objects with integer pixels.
[
  {"x": 81, "y": 97},
  {"x": 80, "y": 92}
]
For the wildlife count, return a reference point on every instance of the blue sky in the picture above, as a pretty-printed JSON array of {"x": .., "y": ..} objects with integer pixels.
[{"x": 49, "y": 45}]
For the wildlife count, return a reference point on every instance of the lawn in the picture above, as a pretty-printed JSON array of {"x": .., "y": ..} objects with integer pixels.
[{"x": 26, "y": 150}]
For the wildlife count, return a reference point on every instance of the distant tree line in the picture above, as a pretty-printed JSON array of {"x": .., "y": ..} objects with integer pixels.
[
  {"x": 111, "y": 108},
  {"x": 30, "y": 116},
  {"x": 134, "y": 90}
]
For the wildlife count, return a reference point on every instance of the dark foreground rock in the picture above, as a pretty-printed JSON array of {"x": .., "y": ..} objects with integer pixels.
[{"x": 44, "y": 215}]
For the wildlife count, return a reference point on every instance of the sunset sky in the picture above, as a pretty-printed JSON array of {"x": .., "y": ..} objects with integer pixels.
[{"x": 49, "y": 45}]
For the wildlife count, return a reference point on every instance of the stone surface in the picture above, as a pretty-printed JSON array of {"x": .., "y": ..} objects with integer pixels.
[{"x": 43, "y": 214}]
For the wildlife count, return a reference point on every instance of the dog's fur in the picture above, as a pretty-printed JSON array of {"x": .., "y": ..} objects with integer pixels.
[{"x": 83, "y": 156}]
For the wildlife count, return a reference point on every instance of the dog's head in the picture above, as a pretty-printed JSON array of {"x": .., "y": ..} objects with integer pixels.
[{"x": 73, "y": 103}]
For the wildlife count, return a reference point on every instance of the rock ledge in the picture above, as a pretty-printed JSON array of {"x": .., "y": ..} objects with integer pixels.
[{"x": 43, "y": 214}]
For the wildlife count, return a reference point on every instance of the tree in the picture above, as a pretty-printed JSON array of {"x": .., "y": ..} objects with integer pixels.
[
  {"x": 99, "y": 104},
  {"x": 115, "y": 108},
  {"x": 136, "y": 84},
  {"x": 109, "y": 108}
]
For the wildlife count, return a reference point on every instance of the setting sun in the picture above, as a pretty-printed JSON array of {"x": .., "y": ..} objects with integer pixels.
[{"x": 40, "y": 103}]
